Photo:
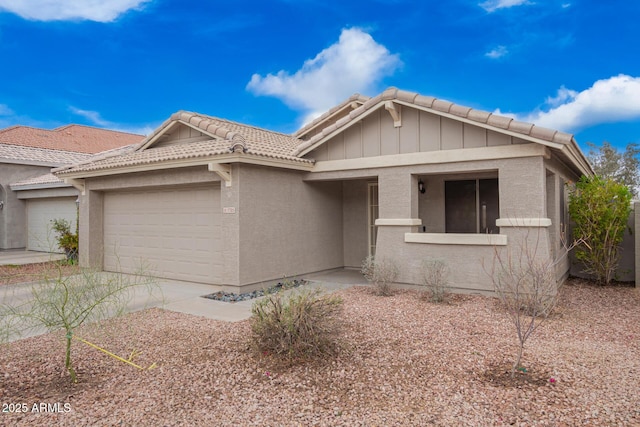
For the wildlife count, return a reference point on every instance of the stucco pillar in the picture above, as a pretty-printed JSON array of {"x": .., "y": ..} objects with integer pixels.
[
  {"x": 398, "y": 199},
  {"x": 91, "y": 230},
  {"x": 230, "y": 228},
  {"x": 523, "y": 207}
]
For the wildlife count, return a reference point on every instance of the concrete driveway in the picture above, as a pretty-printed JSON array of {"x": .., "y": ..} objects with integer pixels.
[{"x": 186, "y": 297}]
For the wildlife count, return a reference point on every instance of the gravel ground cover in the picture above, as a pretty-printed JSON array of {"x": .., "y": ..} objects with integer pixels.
[
  {"x": 404, "y": 361},
  {"x": 10, "y": 274}
]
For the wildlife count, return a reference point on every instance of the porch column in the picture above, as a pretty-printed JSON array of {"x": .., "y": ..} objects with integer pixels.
[{"x": 398, "y": 199}]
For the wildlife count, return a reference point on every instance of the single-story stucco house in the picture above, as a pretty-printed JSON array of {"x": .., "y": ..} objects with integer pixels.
[
  {"x": 399, "y": 175},
  {"x": 30, "y": 196}
]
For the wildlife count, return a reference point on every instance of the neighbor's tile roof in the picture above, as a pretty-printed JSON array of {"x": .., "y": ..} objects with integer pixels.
[
  {"x": 442, "y": 106},
  {"x": 20, "y": 154},
  {"x": 48, "y": 178},
  {"x": 227, "y": 137},
  {"x": 76, "y": 138}
]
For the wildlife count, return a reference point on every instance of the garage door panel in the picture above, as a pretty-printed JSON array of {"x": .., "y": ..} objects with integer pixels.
[
  {"x": 40, "y": 214},
  {"x": 175, "y": 233}
]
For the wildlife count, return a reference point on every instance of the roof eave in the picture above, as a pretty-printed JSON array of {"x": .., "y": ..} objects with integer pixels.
[
  {"x": 42, "y": 186},
  {"x": 181, "y": 163}
]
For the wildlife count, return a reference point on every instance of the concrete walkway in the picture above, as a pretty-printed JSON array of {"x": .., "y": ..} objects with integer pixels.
[
  {"x": 23, "y": 257},
  {"x": 186, "y": 297}
]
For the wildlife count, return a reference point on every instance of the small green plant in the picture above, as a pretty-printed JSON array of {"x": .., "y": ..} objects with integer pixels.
[
  {"x": 599, "y": 209},
  {"x": 382, "y": 273},
  {"x": 435, "y": 275},
  {"x": 67, "y": 240},
  {"x": 61, "y": 302},
  {"x": 301, "y": 324}
]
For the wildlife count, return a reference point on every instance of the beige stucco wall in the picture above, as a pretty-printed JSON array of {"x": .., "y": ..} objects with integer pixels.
[
  {"x": 287, "y": 227},
  {"x": 13, "y": 215}
]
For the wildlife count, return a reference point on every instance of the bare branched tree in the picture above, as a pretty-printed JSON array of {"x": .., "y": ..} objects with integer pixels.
[
  {"x": 62, "y": 302},
  {"x": 526, "y": 284}
]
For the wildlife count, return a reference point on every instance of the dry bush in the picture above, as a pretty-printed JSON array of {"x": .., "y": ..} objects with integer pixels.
[
  {"x": 435, "y": 275},
  {"x": 382, "y": 273},
  {"x": 302, "y": 324},
  {"x": 525, "y": 282}
]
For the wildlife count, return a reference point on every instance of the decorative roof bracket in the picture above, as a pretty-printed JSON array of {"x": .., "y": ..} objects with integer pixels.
[
  {"x": 77, "y": 183},
  {"x": 223, "y": 171},
  {"x": 394, "y": 110}
]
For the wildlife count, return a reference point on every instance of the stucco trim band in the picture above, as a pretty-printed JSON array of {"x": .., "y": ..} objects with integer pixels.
[
  {"x": 523, "y": 222},
  {"x": 399, "y": 221},
  {"x": 456, "y": 239}
]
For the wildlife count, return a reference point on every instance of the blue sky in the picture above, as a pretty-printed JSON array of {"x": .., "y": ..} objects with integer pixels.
[{"x": 572, "y": 65}]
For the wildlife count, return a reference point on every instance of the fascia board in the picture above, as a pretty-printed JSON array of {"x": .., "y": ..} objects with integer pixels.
[{"x": 158, "y": 136}]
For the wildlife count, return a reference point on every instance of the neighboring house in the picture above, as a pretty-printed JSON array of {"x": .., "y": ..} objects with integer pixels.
[
  {"x": 30, "y": 196},
  {"x": 399, "y": 175}
]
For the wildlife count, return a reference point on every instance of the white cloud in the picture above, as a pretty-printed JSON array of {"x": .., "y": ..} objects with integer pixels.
[
  {"x": 95, "y": 119},
  {"x": 5, "y": 110},
  {"x": 608, "y": 101},
  {"x": 93, "y": 116},
  {"x": 356, "y": 63},
  {"x": 497, "y": 52},
  {"x": 493, "y": 5},
  {"x": 62, "y": 10}
]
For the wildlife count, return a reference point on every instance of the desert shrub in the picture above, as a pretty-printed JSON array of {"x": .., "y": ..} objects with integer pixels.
[
  {"x": 66, "y": 302},
  {"x": 67, "y": 240},
  {"x": 381, "y": 272},
  {"x": 435, "y": 275},
  {"x": 599, "y": 209},
  {"x": 301, "y": 324}
]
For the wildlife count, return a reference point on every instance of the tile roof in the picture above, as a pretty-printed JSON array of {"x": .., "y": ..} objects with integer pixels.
[
  {"x": 227, "y": 137},
  {"x": 441, "y": 106},
  {"x": 45, "y": 157},
  {"x": 76, "y": 138},
  {"x": 40, "y": 180}
]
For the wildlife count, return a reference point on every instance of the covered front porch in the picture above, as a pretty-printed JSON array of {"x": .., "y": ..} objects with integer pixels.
[{"x": 459, "y": 213}]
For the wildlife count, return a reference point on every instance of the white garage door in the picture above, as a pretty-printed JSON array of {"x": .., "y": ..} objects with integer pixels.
[
  {"x": 40, "y": 213},
  {"x": 172, "y": 234}
]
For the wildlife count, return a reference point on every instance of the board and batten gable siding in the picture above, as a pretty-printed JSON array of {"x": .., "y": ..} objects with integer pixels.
[
  {"x": 180, "y": 134},
  {"x": 421, "y": 131}
]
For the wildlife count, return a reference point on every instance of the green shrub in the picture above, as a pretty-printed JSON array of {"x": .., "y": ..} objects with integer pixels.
[
  {"x": 599, "y": 209},
  {"x": 382, "y": 273},
  {"x": 301, "y": 324},
  {"x": 67, "y": 240}
]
